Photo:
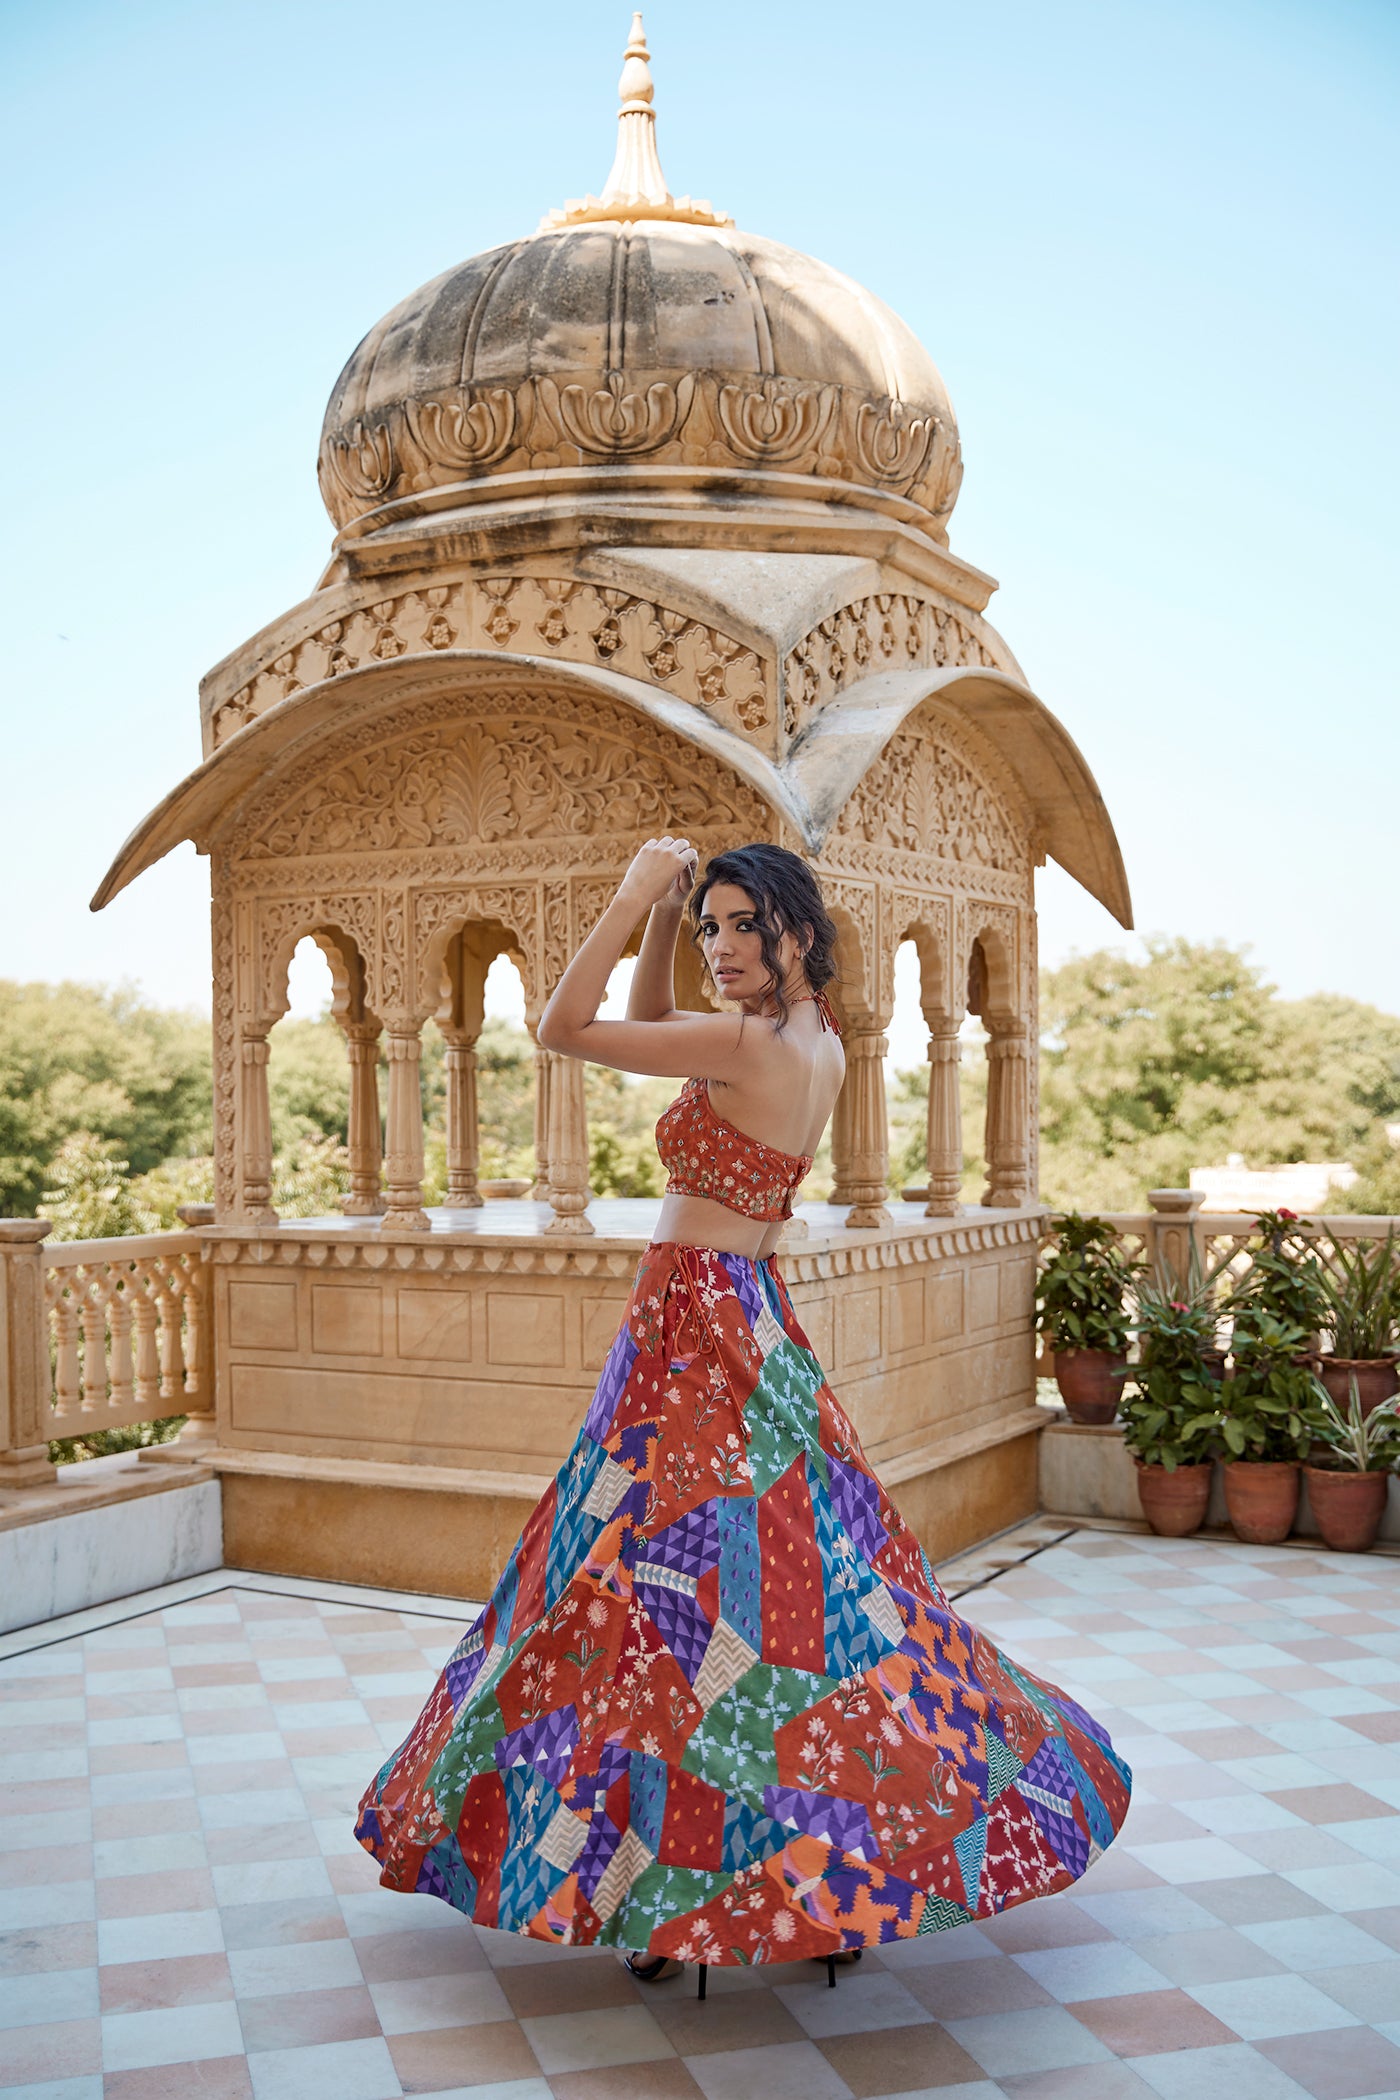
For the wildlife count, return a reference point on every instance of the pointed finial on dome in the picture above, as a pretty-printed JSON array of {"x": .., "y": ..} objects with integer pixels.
[{"x": 636, "y": 187}]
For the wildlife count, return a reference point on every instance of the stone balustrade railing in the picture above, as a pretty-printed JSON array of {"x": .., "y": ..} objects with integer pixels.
[
  {"x": 1177, "y": 1239},
  {"x": 99, "y": 1334}
]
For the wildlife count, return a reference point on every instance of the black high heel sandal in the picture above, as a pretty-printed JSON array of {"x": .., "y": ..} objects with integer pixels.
[{"x": 653, "y": 1968}]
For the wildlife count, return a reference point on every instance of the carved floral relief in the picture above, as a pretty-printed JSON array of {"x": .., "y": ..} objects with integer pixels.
[
  {"x": 697, "y": 418},
  {"x": 926, "y": 793},
  {"x": 893, "y": 631},
  {"x": 529, "y": 616}
]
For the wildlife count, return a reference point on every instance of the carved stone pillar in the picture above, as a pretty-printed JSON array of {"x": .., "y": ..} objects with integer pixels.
[
  {"x": 568, "y": 1148},
  {"x": 841, "y": 1142},
  {"x": 1174, "y": 1237},
  {"x": 544, "y": 1065},
  {"x": 1008, "y": 1113},
  {"x": 403, "y": 1152},
  {"x": 364, "y": 1139},
  {"x": 255, "y": 1128},
  {"x": 869, "y": 1129},
  {"x": 26, "y": 1381},
  {"x": 945, "y": 1161},
  {"x": 463, "y": 1136}
]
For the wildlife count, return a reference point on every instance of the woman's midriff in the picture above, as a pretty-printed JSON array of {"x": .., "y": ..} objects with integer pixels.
[{"x": 700, "y": 1222}]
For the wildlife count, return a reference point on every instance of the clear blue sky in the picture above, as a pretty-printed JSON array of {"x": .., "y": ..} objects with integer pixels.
[{"x": 1152, "y": 247}]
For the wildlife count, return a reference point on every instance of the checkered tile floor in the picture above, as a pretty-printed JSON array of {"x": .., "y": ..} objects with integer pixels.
[{"x": 183, "y": 1914}]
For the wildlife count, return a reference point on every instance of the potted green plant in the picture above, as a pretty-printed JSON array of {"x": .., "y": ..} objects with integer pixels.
[
  {"x": 1267, "y": 1416},
  {"x": 1171, "y": 1409},
  {"x": 1285, "y": 1273},
  {"x": 1354, "y": 1452},
  {"x": 1360, "y": 1288},
  {"x": 1082, "y": 1313}
]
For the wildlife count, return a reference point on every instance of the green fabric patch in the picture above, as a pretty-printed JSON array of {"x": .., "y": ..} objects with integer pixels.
[
  {"x": 970, "y": 1845},
  {"x": 733, "y": 1746},
  {"x": 469, "y": 1751},
  {"x": 1003, "y": 1767},
  {"x": 659, "y": 1896},
  {"x": 782, "y": 1414},
  {"x": 940, "y": 1914}
]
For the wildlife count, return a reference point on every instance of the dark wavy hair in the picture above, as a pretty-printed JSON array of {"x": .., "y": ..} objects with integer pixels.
[{"x": 787, "y": 898}]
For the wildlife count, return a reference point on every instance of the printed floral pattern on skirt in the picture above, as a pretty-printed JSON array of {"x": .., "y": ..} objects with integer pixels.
[{"x": 717, "y": 1706}]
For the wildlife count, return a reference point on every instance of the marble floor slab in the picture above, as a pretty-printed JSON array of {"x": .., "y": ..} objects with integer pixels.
[{"x": 184, "y": 1912}]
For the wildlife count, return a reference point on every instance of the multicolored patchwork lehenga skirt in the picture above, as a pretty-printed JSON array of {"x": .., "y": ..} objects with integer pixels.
[{"x": 717, "y": 1706}]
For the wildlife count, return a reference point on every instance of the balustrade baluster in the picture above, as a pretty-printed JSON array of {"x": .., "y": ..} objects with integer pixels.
[
  {"x": 143, "y": 1321},
  {"x": 68, "y": 1376},
  {"x": 123, "y": 1383},
  {"x": 94, "y": 1325},
  {"x": 192, "y": 1311},
  {"x": 172, "y": 1356}
]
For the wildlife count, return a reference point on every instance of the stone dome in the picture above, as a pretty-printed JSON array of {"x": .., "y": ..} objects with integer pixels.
[{"x": 637, "y": 334}]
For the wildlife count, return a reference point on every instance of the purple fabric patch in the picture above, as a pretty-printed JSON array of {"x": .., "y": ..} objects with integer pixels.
[
  {"x": 856, "y": 1500},
  {"x": 634, "y": 1444},
  {"x": 948, "y": 1707},
  {"x": 847, "y": 1885},
  {"x": 681, "y": 1623},
  {"x": 547, "y": 1744},
  {"x": 462, "y": 1674},
  {"x": 746, "y": 1287},
  {"x": 599, "y": 1846},
  {"x": 610, "y": 1387},
  {"x": 844, "y": 1824},
  {"x": 690, "y": 1545},
  {"x": 1048, "y": 1771}
]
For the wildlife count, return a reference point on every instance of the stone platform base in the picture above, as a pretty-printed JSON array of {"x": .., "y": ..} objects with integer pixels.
[
  {"x": 450, "y": 1533},
  {"x": 390, "y": 1527},
  {"x": 109, "y": 1528}
]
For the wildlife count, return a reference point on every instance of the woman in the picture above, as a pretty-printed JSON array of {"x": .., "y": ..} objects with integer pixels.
[{"x": 717, "y": 1708}]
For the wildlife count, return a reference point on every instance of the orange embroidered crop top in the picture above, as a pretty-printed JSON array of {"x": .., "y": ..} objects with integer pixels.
[{"x": 705, "y": 1155}]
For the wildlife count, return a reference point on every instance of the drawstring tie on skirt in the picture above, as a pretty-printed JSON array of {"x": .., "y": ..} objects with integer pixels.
[{"x": 686, "y": 1263}]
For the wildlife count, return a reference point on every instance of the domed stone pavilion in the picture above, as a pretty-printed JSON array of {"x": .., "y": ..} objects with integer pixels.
[{"x": 641, "y": 525}]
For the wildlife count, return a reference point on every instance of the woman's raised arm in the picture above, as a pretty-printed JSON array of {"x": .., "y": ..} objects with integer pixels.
[
  {"x": 671, "y": 1045},
  {"x": 652, "y": 996}
]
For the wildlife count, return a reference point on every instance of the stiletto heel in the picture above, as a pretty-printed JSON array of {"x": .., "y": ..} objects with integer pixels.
[
  {"x": 831, "y": 1972},
  {"x": 704, "y": 1977}
]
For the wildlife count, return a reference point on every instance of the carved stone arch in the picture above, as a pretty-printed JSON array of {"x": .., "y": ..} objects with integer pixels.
[
  {"x": 988, "y": 951},
  {"x": 928, "y": 923},
  {"x": 855, "y": 912},
  {"x": 283, "y": 923},
  {"x": 496, "y": 918}
]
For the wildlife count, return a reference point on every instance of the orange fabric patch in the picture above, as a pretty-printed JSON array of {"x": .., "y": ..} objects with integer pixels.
[
  {"x": 790, "y": 1566},
  {"x": 692, "y": 1834}
]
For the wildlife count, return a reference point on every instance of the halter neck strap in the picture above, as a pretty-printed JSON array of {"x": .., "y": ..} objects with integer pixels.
[{"x": 824, "y": 1009}]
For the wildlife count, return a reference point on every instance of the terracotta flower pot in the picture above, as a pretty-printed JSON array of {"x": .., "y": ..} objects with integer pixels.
[
  {"x": 1376, "y": 1379},
  {"x": 1174, "y": 1504},
  {"x": 1348, "y": 1507},
  {"x": 1090, "y": 1382},
  {"x": 1262, "y": 1498}
]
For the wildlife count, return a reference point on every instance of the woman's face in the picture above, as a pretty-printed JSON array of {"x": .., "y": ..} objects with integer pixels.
[{"x": 731, "y": 945}]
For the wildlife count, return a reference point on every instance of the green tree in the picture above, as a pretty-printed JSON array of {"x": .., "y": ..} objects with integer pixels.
[
  {"x": 1151, "y": 1067},
  {"x": 89, "y": 1196},
  {"x": 77, "y": 1058}
]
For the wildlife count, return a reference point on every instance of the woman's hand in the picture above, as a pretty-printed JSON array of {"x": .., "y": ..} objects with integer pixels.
[{"x": 662, "y": 871}]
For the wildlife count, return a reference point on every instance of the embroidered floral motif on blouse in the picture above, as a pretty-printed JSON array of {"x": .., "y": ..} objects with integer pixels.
[{"x": 706, "y": 1156}]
